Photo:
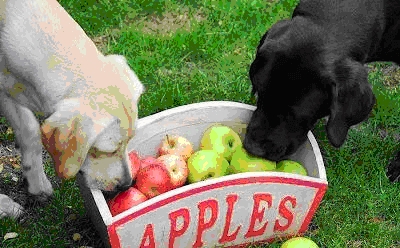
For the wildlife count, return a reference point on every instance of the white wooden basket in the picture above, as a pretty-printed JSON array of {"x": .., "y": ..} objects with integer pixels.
[{"x": 231, "y": 211}]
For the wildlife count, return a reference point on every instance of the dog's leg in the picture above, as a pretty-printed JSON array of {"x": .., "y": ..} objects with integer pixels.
[
  {"x": 27, "y": 134},
  {"x": 393, "y": 169},
  {"x": 9, "y": 208}
]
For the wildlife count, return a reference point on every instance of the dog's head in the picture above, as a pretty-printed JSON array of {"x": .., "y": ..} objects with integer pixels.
[
  {"x": 89, "y": 134},
  {"x": 299, "y": 78}
]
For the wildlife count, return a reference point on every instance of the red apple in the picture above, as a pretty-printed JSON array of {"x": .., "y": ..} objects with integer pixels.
[
  {"x": 177, "y": 145},
  {"x": 176, "y": 167},
  {"x": 134, "y": 159},
  {"x": 125, "y": 200},
  {"x": 149, "y": 160},
  {"x": 152, "y": 180}
]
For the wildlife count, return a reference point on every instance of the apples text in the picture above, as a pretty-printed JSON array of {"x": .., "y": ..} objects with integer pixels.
[{"x": 262, "y": 203}]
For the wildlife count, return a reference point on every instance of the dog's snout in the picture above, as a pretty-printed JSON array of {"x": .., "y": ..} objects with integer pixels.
[
  {"x": 252, "y": 148},
  {"x": 265, "y": 149}
]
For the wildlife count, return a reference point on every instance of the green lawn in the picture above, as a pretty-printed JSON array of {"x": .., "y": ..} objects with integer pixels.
[{"x": 192, "y": 51}]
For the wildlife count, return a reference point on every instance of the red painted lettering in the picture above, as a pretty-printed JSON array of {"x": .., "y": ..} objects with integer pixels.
[
  {"x": 285, "y": 213},
  {"x": 183, "y": 213},
  {"x": 226, "y": 237},
  {"x": 257, "y": 215},
  {"x": 148, "y": 234},
  {"x": 202, "y": 224}
]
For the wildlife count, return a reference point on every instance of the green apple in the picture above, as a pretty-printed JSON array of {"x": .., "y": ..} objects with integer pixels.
[
  {"x": 242, "y": 161},
  {"x": 291, "y": 167},
  {"x": 205, "y": 164},
  {"x": 299, "y": 242},
  {"x": 221, "y": 139}
]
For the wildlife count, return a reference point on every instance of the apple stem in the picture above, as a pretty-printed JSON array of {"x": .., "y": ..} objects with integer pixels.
[{"x": 167, "y": 138}]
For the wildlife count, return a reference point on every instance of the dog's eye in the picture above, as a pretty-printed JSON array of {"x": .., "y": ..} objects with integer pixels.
[
  {"x": 96, "y": 153},
  {"x": 254, "y": 90},
  {"x": 254, "y": 97},
  {"x": 118, "y": 148}
]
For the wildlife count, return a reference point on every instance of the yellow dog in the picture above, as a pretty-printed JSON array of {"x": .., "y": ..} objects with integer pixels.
[{"x": 49, "y": 65}]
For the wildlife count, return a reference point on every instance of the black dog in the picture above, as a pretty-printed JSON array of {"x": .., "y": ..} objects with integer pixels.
[{"x": 314, "y": 63}]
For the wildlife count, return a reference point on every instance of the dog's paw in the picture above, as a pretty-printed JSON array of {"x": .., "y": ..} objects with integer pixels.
[
  {"x": 393, "y": 169},
  {"x": 9, "y": 208},
  {"x": 42, "y": 190}
]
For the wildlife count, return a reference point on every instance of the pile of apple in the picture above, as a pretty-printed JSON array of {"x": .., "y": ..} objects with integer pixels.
[{"x": 221, "y": 153}]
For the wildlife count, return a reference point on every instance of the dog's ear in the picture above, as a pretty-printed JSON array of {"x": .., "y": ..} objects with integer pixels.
[
  {"x": 122, "y": 63},
  {"x": 69, "y": 133},
  {"x": 128, "y": 93},
  {"x": 352, "y": 99}
]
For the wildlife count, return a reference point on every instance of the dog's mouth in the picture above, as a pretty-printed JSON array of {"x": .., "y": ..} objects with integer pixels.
[
  {"x": 269, "y": 150},
  {"x": 266, "y": 150}
]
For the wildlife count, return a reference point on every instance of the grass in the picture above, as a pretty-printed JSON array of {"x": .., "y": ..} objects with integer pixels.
[{"x": 192, "y": 51}]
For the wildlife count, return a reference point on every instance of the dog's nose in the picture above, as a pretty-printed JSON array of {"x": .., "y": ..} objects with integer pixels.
[
  {"x": 251, "y": 147},
  {"x": 123, "y": 187}
]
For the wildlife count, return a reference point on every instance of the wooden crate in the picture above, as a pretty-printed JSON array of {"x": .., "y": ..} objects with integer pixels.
[{"x": 234, "y": 210}]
